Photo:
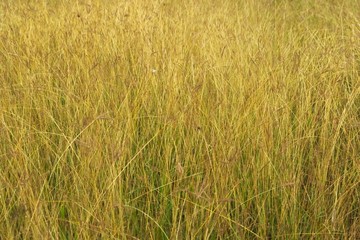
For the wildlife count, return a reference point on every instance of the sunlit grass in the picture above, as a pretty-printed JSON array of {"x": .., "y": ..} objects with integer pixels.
[{"x": 179, "y": 119}]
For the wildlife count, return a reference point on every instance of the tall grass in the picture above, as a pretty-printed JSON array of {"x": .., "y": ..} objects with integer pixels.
[{"x": 179, "y": 119}]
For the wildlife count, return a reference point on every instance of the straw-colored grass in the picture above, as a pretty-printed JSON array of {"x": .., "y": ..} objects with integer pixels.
[{"x": 179, "y": 119}]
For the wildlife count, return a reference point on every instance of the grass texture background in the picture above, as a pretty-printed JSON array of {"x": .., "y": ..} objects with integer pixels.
[{"x": 179, "y": 119}]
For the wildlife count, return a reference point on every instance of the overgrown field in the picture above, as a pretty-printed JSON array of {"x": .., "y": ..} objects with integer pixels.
[{"x": 180, "y": 119}]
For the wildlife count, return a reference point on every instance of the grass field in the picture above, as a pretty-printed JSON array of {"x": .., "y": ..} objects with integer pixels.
[{"x": 180, "y": 119}]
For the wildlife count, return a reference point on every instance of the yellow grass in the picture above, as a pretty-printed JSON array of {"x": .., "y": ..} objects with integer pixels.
[{"x": 179, "y": 119}]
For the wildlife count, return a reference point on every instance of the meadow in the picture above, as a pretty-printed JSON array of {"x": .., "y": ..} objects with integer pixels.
[{"x": 180, "y": 119}]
